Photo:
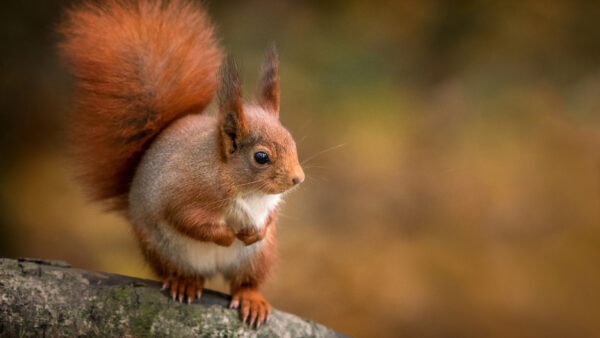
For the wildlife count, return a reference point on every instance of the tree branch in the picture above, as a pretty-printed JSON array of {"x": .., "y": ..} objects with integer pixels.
[{"x": 49, "y": 298}]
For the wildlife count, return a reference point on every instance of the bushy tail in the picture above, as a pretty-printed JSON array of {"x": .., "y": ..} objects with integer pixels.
[{"x": 138, "y": 65}]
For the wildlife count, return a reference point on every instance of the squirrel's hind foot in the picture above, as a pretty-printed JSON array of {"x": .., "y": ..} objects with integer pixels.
[
  {"x": 254, "y": 309},
  {"x": 180, "y": 287}
]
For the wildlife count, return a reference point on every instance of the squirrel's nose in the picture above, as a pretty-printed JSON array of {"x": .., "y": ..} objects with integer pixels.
[{"x": 298, "y": 177}]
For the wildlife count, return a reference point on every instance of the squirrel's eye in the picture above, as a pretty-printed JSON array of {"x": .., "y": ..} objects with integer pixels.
[{"x": 262, "y": 158}]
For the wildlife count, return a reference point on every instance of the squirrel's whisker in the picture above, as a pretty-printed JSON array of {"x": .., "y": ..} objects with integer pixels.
[{"x": 322, "y": 152}]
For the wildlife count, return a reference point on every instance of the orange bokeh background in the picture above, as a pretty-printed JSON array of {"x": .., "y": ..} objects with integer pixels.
[{"x": 457, "y": 187}]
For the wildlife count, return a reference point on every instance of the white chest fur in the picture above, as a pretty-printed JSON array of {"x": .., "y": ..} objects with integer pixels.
[
  {"x": 208, "y": 258},
  {"x": 251, "y": 210}
]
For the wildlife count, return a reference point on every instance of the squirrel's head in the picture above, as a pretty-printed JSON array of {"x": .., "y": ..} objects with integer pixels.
[{"x": 253, "y": 144}]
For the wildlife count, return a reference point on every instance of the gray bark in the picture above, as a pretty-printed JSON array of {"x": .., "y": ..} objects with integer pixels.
[{"x": 49, "y": 298}]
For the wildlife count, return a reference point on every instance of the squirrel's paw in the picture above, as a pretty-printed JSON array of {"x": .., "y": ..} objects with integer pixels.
[
  {"x": 254, "y": 309},
  {"x": 179, "y": 287},
  {"x": 226, "y": 237},
  {"x": 251, "y": 235}
]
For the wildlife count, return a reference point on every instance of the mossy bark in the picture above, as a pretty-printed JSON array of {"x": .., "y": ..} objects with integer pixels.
[{"x": 49, "y": 298}]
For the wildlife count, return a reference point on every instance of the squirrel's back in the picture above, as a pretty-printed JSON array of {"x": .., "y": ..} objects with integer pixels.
[{"x": 138, "y": 66}]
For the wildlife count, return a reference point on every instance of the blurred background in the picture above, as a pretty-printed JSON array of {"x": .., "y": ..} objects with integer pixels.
[{"x": 453, "y": 161}]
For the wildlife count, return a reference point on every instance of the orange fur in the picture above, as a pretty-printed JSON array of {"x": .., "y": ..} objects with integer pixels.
[
  {"x": 268, "y": 87},
  {"x": 187, "y": 213},
  {"x": 255, "y": 274},
  {"x": 161, "y": 267},
  {"x": 142, "y": 66},
  {"x": 139, "y": 65},
  {"x": 245, "y": 284},
  {"x": 193, "y": 223}
]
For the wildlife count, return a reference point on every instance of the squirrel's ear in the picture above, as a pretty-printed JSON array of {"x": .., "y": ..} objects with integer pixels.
[
  {"x": 232, "y": 121},
  {"x": 268, "y": 87}
]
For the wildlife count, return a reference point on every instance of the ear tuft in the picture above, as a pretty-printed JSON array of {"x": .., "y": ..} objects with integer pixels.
[
  {"x": 229, "y": 95},
  {"x": 232, "y": 121},
  {"x": 268, "y": 87}
]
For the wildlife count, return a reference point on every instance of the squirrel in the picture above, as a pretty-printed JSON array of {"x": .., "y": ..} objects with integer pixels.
[{"x": 200, "y": 189}]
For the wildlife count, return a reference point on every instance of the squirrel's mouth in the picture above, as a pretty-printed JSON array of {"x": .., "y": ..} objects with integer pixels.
[
  {"x": 291, "y": 188},
  {"x": 287, "y": 188},
  {"x": 275, "y": 189},
  {"x": 273, "y": 185}
]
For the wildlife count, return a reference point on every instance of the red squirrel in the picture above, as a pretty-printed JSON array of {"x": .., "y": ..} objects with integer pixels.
[{"x": 200, "y": 190}]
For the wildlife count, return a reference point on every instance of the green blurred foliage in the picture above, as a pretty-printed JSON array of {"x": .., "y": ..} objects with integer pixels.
[{"x": 455, "y": 189}]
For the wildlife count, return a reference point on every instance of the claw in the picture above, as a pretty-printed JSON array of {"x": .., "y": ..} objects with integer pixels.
[
  {"x": 174, "y": 287},
  {"x": 245, "y": 311},
  {"x": 191, "y": 292},
  {"x": 181, "y": 291},
  {"x": 261, "y": 318},
  {"x": 254, "y": 309},
  {"x": 184, "y": 288},
  {"x": 253, "y": 315}
]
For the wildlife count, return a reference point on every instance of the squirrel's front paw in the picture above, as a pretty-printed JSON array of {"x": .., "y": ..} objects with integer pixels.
[
  {"x": 226, "y": 237},
  {"x": 251, "y": 235}
]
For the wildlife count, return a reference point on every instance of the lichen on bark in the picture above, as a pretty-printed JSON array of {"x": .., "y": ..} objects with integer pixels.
[{"x": 49, "y": 298}]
